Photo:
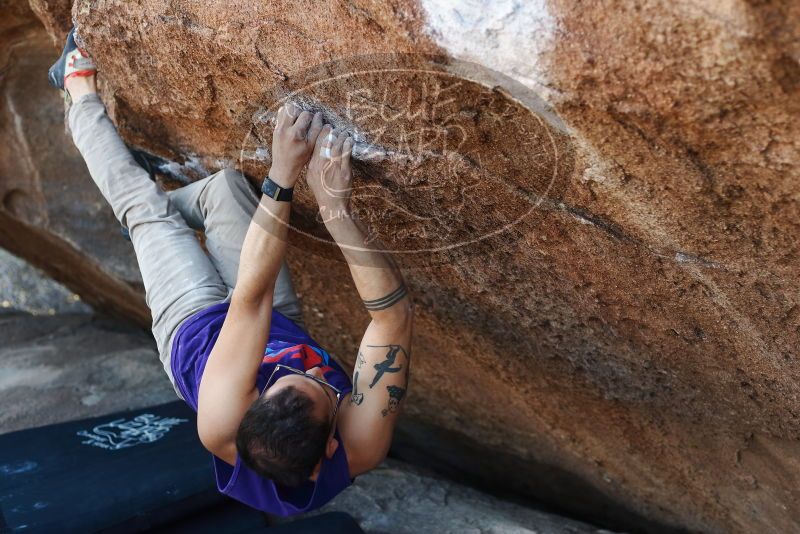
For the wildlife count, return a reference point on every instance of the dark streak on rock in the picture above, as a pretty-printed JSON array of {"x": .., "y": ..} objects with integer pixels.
[{"x": 271, "y": 66}]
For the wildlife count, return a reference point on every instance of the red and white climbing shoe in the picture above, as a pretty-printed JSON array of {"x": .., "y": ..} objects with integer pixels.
[{"x": 73, "y": 62}]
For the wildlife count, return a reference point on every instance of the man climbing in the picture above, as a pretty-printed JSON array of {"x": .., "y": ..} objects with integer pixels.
[{"x": 272, "y": 407}]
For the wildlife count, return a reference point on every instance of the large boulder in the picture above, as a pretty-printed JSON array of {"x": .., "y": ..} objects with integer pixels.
[{"x": 595, "y": 204}]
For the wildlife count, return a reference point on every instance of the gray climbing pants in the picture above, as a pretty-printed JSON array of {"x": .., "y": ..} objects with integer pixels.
[{"x": 180, "y": 279}]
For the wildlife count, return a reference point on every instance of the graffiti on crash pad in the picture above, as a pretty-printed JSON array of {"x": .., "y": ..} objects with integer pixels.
[{"x": 122, "y": 433}]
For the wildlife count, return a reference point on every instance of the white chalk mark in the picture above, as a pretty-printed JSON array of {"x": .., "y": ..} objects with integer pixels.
[
  {"x": 121, "y": 434},
  {"x": 508, "y": 36}
]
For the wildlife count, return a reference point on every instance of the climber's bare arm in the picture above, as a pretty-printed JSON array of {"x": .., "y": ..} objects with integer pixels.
[
  {"x": 227, "y": 388},
  {"x": 380, "y": 377}
]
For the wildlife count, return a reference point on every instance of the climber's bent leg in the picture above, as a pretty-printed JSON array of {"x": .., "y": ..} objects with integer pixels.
[
  {"x": 222, "y": 205},
  {"x": 178, "y": 277}
]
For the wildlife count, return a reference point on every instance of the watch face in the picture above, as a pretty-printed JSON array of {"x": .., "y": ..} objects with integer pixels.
[{"x": 276, "y": 192}]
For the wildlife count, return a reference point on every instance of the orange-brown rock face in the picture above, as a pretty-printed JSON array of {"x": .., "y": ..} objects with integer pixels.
[{"x": 608, "y": 313}]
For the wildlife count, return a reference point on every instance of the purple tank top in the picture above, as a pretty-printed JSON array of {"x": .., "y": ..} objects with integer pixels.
[{"x": 290, "y": 345}]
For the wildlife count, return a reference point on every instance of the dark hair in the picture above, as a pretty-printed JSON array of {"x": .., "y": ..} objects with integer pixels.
[{"x": 280, "y": 439}]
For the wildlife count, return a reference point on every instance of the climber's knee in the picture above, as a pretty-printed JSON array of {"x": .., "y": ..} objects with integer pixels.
[
  {"x": 239, "y": 187},
  {"x": 228, "y": 190},
  {"x": 229, "y": 183}
]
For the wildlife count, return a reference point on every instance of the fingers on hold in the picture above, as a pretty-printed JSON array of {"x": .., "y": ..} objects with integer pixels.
[
  {"x": 327, "y": 143},
  {"x": 293, "y": 110},
  {"x": 336, "y": 149},
  {"x": 347, "y": 150},
  {"x": 302, "y": 123},
  {"x": 316, "y": 127},
  {"x": 323, "y": 135},
  {"x": 281, "y": 118},
  {"x": 287, "y": 114}
]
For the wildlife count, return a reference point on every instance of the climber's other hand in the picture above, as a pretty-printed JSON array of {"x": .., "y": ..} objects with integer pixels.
[{"x": 330, "y": 175}]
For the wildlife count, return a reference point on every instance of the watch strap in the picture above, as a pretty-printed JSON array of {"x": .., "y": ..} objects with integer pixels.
[{"x": 276, "y": 192}]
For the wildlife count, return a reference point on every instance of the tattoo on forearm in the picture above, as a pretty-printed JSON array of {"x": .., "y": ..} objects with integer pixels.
[
  {"x": 389, "y": 300},
  {"x": 386, "y": 365},
  {"x": 396, "y": 394},
  {"x": 356, "y": 397},
  {"x": 360, "y": 360}
]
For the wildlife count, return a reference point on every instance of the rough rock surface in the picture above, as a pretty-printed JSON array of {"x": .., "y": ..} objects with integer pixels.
[{"x": 624, "y": 332}]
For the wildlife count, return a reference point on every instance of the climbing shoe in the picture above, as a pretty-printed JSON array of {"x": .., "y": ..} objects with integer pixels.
[{"x": 73, "y": 62}]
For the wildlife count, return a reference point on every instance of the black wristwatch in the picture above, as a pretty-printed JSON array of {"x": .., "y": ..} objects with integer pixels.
[{"x": 276, "y": 192}]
